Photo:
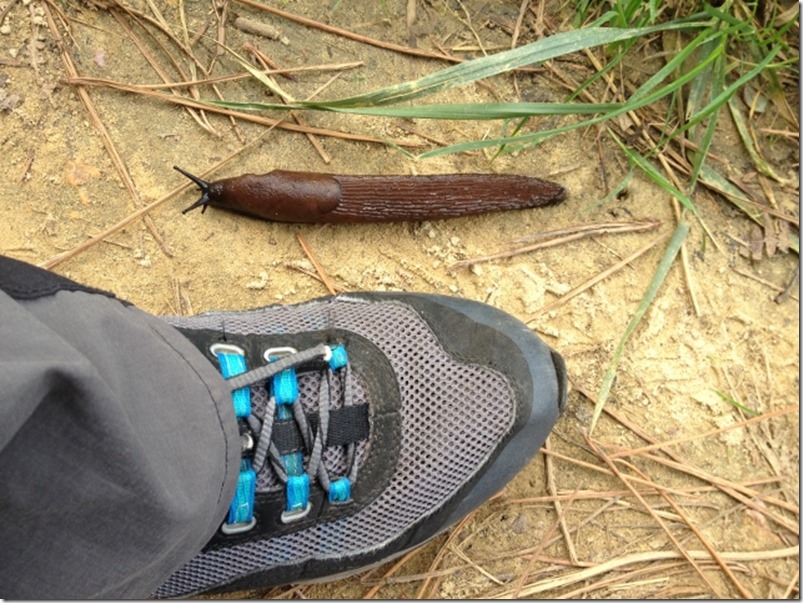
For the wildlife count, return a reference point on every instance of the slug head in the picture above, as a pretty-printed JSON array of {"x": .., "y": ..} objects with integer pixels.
[{"x": 203, "y": 185}]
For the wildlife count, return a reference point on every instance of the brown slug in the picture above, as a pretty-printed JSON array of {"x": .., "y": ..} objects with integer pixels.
[{"x": 284, "y": 196}]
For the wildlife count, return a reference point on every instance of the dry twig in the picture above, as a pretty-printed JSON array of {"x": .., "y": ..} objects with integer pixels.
[
  {"x": 599, "y": 277},
  {"x": 258, "y": 119},
  {"x": 552, "y": 488},
  {"x": 318, "y": 268},
  {"x": 561, "y": 236},
  {"x": 343, "y": 33}
]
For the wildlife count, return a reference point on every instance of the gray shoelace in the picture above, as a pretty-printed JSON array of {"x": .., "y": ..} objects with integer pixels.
[{"x": 264, "y": 449}]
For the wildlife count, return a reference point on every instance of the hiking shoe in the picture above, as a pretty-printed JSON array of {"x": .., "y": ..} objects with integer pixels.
[{"x": 370, "y": 422}]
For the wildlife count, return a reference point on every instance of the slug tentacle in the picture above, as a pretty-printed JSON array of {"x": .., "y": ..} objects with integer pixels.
[{"x": 203, "y": 185}]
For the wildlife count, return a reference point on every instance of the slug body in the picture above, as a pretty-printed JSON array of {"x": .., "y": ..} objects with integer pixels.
[{"x": 285, "y": 196}]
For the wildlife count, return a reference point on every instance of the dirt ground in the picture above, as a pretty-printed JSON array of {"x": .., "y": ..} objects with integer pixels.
[{"x": 59, "y": 187}]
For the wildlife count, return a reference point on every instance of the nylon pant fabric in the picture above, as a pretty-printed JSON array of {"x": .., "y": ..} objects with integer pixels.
[{"x": 119, "y": 450}]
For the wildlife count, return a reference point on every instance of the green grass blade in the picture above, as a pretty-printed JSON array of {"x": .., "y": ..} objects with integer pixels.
[
  {"x": 671, "y": 252},
  {"x": 699, "y": 156},
  {"x": 458, "y": 111},
  {"x": 702, "y": 89},
  {"x": 536, "y": 137},
  {"x": 470, "y": 71},
  {"x": 730, "y": 400},
  {"x": 723, "y": 16}
]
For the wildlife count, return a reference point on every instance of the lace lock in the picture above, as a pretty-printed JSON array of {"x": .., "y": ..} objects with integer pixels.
[
  {"x": 298, "y": 504},
  {"x": 241, "y": 512},
  {"x": 340, "y": 490},
  {"x": 336, "y": 356},
  {"x": 285, "y": 384}
]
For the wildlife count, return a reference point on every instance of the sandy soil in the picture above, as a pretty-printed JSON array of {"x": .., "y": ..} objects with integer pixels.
[{"x": 59, "y": 187}]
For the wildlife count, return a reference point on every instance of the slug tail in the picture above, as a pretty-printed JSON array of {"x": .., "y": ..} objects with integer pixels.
[{"x": 203, "y": 185}]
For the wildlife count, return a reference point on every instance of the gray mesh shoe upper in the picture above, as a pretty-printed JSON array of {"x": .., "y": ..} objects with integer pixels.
[{"x": 448, "y": 385}]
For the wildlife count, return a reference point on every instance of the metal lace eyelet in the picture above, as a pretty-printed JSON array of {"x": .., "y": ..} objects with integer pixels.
[
  {"x": 272, "y": 354},
  {"x": 296, "y": 514},
  {"x": 238, "y": 528},
  {"x": 226, "y": 348}
]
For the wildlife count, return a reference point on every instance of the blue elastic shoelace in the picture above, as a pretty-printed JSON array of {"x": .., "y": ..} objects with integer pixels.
[{"x": 284, "y": 404}]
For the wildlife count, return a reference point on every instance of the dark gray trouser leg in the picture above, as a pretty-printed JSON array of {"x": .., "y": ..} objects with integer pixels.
[{"x": 119, "y": 450}]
